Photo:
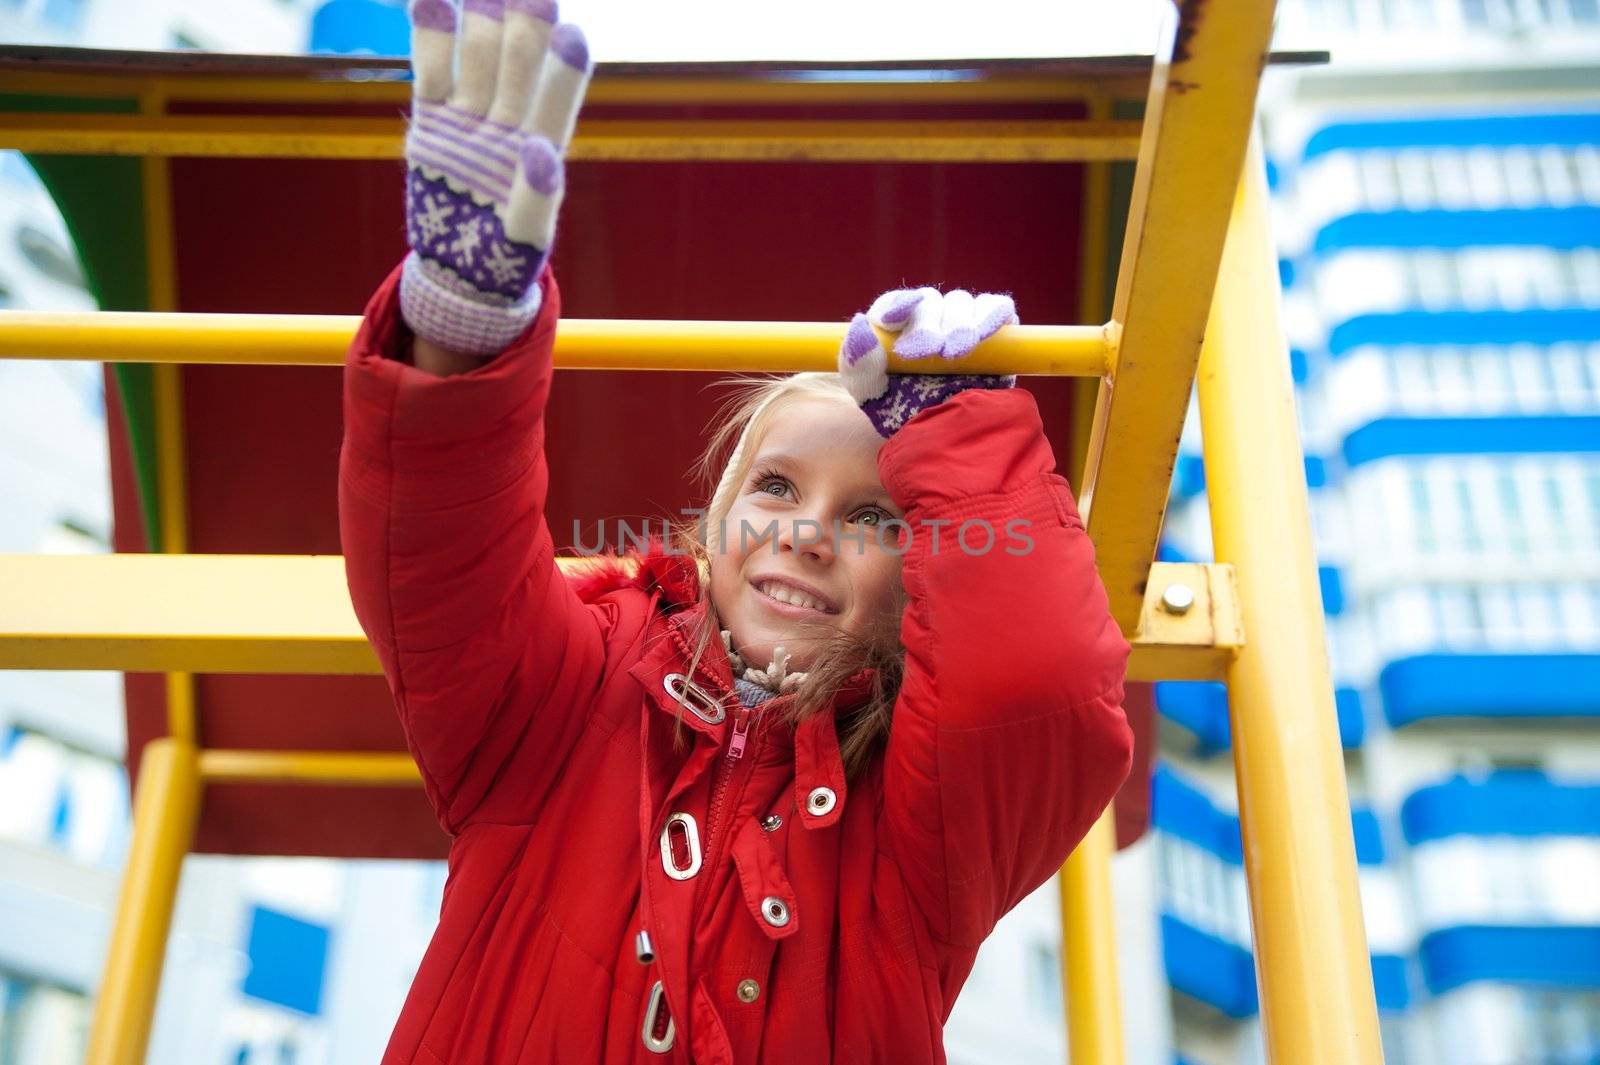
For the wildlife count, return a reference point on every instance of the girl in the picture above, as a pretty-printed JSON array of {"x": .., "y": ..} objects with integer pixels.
[{"x": 760, "y": 798}]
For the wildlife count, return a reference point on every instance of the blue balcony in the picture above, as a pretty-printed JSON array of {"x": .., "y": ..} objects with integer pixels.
[
  {"x": 1222, "y": 974},
  {"x": 1392, "y": 329},
  {"x": 1202, "y": 708},
  {"x": 1189, "y": 474},
  {"x": 1215, "y": 970},
  {"x": 1515, "y": 435},
  {"x": 1457, "y": 131},
  {"x": 1299, "y": 366},
  {"x": 1505, "y": 803},
  {"x": 1553, "y": 956},
  {"x": 1520, "y": 803},
  {"x": 1564, "y": 228},
  {"x": 1212, "y": 970},
  {"x": 1490, "y": 685}
]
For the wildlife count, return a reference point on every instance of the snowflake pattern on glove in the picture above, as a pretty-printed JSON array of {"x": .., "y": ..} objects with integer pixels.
[
  {"x": 467, "y": 238},
  {"x": 910, "y": 394}
]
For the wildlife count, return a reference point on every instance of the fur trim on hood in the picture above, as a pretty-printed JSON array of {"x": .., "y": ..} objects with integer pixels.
[{"x": 673, "y": 572}]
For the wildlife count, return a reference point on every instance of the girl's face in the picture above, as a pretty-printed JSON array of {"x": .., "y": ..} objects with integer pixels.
[{"x": 802, "y": 557}]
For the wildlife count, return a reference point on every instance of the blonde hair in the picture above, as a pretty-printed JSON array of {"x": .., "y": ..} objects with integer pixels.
[{"x": 740, "y": 425}]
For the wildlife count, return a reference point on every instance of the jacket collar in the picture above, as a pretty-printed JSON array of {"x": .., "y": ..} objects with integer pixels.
[{"x": 673, "y": 580}]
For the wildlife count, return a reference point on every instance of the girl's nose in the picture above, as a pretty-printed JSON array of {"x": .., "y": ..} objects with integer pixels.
[{"x": 808, "y": 536}]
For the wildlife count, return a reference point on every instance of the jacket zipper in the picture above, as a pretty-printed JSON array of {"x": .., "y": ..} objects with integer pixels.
[
  {"x": 730, "y": 761},
  {"x": 736, "y": 744}
]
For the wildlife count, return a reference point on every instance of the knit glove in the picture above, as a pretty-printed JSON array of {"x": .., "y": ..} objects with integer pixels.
[
  {"x": 928, "y": 323},
  {"x": 484, "y": 173}
]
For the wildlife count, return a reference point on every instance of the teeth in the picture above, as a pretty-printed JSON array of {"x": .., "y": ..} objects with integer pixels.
[{"x": 784, "y": 594}]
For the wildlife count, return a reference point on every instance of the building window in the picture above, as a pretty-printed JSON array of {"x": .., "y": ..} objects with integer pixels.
[
  {"x": 41, "y": 1022},
  {"x": 1044, "y": 963},
  {"x": 61, "y": 798},
  {"x": 47, "y": 255}
]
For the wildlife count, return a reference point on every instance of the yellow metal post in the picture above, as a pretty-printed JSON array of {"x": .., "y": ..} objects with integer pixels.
[
  {"x": 1089, "y": 984},
  {"x": 168, "y": 801},
  {"x": 164, "y": 813},
  {"x": 1197, "y": 121},
  {"x": 1311, "y": 955},
  {"x": 1089, "y": 949}
]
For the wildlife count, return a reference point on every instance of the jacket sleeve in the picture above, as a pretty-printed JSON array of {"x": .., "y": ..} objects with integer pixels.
[
  {"x": 1008, "y": 737},
  {"x": 490, "y": 656}
]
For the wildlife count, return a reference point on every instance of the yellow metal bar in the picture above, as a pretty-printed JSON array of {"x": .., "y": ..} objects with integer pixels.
[
  {"x": 1089, "y": 949},
  {"x": 606, "y": 89},
  {"x": 646, "y": 140},
  {"x": 1197, "y": 122},
  {"x": 1096, "y": 243},
  {"x": 1311, "y": 954},
  {"x": 195, "y": 613},
  {"x": 291, "y": 614},
  {"x": 172, "y": 479},
  {"x": 356, "y": 769},
  {"x": 581, "y": 344},
  {"x": 164, "y": 814},
  {"x": 1089, "y": 984}
]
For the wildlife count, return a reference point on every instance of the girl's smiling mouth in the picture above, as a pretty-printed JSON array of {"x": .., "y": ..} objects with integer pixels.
[{"x": 785, "y": 598}]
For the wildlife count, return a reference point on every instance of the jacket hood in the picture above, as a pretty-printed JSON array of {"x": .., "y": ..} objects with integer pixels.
[{"x": 657, "y": 567}]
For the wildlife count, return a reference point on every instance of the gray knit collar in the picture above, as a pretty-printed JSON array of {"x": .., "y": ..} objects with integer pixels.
[{"x": 750, "y": 682}]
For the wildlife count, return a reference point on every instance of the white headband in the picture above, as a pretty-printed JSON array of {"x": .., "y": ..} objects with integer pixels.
[{"x": 721, "y": 499}]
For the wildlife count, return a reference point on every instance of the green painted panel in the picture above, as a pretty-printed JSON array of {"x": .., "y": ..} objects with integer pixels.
[{"x": 101, "y": 200}]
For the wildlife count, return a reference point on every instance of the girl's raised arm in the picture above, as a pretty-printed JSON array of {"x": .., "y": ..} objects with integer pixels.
[
  {"x": 442, "y": 477},
  {"x": 1008, "y": 737}
]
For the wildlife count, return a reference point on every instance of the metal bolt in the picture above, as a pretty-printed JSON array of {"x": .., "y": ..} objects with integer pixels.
[
  {"x": 1177, "y": 599},
  {"x": 771, "y": 823}
]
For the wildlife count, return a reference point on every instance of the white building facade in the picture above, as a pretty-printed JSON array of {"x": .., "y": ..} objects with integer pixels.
[{"x": 1437, "y": 192}]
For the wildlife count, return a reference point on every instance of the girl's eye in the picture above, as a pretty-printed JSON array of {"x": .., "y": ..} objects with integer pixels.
[
  {"x": 767, "y": 481},
  {"x": 874, "y": 512}
]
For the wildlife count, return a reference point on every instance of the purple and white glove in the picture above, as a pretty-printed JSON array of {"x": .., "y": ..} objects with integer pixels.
[
  {"x": 484, "y": 174},
  {"x": 929, "y": 323}
]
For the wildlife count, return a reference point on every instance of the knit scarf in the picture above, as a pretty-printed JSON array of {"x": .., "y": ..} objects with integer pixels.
[{"x": 755, "y": 686}]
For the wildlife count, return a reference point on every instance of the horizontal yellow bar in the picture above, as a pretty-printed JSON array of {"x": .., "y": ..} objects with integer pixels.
[
  {"x": 291, "y": 614},
  {"x": 581, "y": 344},
  {"x": 184, "y": 613},
  {"x": 374, "y": 768},
  {"x": 845, "y": 87},
  {"x": 323, "y": 137},
  {"x": 907, "y": 141}
]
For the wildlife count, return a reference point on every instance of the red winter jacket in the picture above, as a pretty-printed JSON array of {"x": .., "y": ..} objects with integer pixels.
[{"x": 541, "y": 710}]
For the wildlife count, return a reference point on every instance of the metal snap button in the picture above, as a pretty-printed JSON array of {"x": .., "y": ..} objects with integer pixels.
[
  {"x": 748, "y": 991},
  {"x": 775, "y": 911},
  {"x": 771, "y": 823},
  {"x": 820, "y": 801}
]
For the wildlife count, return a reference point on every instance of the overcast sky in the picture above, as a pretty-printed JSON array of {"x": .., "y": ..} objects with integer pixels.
[{"x": 864, "y": 29}]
